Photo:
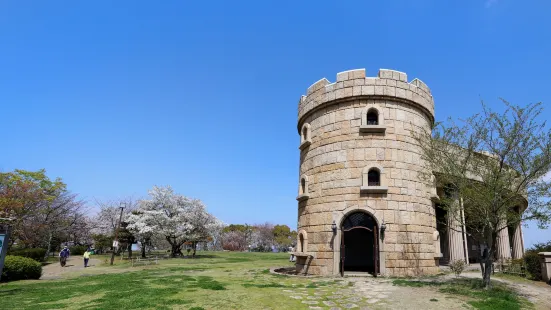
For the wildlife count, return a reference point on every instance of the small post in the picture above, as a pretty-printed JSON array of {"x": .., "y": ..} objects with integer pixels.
[
  {"x": 116, "y": 236},
  {"x": 4, "y": 241}
]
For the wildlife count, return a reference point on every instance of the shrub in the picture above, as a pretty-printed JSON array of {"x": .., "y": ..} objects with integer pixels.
[
  {"x": 20, "y": 268},
  {"x": 37, "y": 254},
  {"x": 457, "y": 266},
  {"x": 78, "y": 249},
  {"x": 533, "y": 265}
]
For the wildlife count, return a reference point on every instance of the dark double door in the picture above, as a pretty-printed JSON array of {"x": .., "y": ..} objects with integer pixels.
[{"x": 359, "y": 244}]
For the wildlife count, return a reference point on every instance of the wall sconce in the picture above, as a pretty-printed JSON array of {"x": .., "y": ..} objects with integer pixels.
[
  {"x": 334, "y": 227},
  {"x": 383, "y": 227}
]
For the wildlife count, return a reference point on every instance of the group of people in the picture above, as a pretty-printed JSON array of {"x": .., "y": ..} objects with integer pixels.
[{"x": 65, "y": 253}]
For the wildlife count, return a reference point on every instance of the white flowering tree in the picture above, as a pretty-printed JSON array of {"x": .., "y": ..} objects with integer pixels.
[{"x": 177, "y": 218}]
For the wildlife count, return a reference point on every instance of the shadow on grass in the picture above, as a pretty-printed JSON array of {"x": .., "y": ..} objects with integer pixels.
[{"x": 9, "y": 292}]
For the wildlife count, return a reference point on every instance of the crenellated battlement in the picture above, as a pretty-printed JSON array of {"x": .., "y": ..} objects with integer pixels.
[{"x": 388, "y": 84}]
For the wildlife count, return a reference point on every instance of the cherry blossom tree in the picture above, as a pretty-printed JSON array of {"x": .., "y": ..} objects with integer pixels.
[{"x": 177, "y": 218}]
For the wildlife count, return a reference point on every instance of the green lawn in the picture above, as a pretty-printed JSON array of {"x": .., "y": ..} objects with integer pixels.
[{"x": 217, "y": 281}]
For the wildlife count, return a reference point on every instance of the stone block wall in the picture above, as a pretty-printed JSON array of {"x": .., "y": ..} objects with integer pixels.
[{"x": 339, "y": 152}]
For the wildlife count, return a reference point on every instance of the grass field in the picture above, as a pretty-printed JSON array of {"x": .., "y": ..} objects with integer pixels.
[
  {"x": 220, "y": 280},
  {"x": 214, "y": 281}
]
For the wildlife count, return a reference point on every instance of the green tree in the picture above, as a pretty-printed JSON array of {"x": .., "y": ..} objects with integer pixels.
[
  {"x": 102, "y": 242},
  {"x": 283, "y": 236},
  {"x": 35, "y": 202},
  {"x": 493, "y": 165}
]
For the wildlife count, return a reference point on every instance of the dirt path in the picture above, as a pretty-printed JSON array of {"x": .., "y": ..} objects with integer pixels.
[
  {"x": 74, "y": 264},
  {"x": 382, "y": 294},
  {"x": 538, "y": 293}
]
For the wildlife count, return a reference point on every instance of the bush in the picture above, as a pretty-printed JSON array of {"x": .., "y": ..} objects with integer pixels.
[
  {"x": 20, "y": 268},
  {"x": 533, "y": 265},
  {"x": 457, "y": 266},
  {"x": 78, "y": 249},
  {"x": 36, "y": 254}
]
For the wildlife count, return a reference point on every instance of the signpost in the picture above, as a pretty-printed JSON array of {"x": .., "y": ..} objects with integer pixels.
[
  {"x": 116, "y": 241},
  {"x": 4, "y": 239}
]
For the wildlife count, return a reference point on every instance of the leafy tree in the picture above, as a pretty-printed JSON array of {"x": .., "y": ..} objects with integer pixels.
[
  {"x": 283, "y": 236},
  {"x": 102, "y": 242},
  {"x": 491, "y": 164},
  {"x": 234, "y": 241},
  {"x": 43, "y": 209},
  {"x": 236, "y": 227},
  {"x": 126, "y": 238},
  {"x": 22, "y": 193}
]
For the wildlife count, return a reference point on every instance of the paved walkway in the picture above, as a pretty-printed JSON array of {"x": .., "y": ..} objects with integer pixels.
[
  {"x": 366, "y": 293},
  {"x": 74, "y": 264}
]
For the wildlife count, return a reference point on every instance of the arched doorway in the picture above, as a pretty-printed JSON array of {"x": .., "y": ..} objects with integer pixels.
[{"x": 359, "y": 244}]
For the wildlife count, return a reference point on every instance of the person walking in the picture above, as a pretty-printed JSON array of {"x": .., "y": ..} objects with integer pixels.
[
  {"x": 64, "y": 255},
  {"x": 86, "y": 257}
]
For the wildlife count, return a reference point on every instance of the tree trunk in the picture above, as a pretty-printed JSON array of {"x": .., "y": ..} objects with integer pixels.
[
  {"x": 487, "y": 272},
  {"x": 194, "y": 245},
  {"x": 49, "y": 246},
  {"x": 130, "y": 250},
  {"x": 143, "y": 249}
]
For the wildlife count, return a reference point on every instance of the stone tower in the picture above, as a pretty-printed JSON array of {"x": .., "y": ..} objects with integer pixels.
[{"x": 362, "y": 206}]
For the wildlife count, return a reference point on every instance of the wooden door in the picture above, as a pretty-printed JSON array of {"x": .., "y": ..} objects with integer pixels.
[{"x": 342, "y": 253}]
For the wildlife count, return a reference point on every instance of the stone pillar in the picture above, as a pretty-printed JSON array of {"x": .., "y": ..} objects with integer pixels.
[
  {"x": 545, "y": 258},
  {"x": 503, "y": 246},
  {"x": 464, "y": 228},
  {"x": 518, "y": 246},
  {"x": 455, "y": 238}
]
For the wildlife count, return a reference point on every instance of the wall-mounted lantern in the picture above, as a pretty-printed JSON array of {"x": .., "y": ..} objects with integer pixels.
[
  {"x": 334, "y": 227},
  {"x": 383, "y": 227}
]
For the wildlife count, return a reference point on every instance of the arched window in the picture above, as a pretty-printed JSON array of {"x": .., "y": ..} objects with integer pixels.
[
  {"x": 372, "y": 117},
  {"x": 305, "y": 136},
  {"x": 373, "y": 177},
  {"x": 302, "y": 242},
  {"x": 303, "y": 193}
]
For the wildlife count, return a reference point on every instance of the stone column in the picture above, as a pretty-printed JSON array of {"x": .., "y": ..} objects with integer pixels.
[
  {"x": 545, "y": 258},
  {"x": 464, "y": 228},
  {"x": 455, "y": 238},
  {"x": 518, "y": 246},
  {"x": 503, "y": 246}
]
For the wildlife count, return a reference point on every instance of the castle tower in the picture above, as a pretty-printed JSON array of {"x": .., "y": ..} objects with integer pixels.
[{"x": 362, "y": 206}]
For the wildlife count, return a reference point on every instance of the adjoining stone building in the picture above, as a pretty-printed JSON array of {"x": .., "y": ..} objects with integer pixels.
[{"x": 362, "y": 206}]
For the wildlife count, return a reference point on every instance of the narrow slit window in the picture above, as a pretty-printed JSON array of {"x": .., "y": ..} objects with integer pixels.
[
  {"x": 305, "y": 133},
  {"x": 373, "y": 178},
  {"x": 303, "y": 185},
  {"x": 301, "y": 243}
]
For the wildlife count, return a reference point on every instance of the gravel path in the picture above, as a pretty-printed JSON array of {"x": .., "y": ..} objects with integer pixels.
[{"x": 74, "y": 264}]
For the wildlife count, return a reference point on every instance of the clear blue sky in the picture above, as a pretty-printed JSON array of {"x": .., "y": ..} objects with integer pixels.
[{"x": 117, "y": 96}]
